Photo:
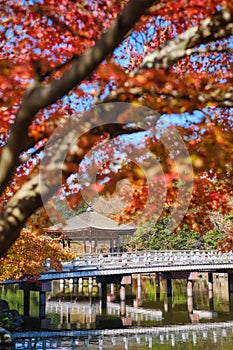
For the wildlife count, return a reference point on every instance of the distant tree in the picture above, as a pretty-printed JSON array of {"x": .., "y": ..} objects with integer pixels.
[{"x": 157, "y": 236}]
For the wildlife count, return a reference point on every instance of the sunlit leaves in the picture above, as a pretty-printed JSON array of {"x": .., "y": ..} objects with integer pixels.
[{"x": 27, "y": 256}]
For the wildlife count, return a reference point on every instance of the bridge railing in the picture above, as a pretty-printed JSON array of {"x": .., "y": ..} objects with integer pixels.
[{"x": 155, "y": 257}]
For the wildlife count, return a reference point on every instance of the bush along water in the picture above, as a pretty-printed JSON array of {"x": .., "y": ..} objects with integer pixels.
[{"x": 10, "y": 321}]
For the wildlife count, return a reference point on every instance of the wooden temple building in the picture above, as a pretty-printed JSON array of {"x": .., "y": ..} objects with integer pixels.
[{"x": 91, "y": 232}]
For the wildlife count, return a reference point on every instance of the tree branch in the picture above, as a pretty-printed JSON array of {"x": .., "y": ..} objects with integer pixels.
[
  {"x": 40, "y": 96},
  {"x": 16, "y": 212},
  {"x": 220, "y": 26}
]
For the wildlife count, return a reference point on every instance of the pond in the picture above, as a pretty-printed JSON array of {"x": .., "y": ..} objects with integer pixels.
[{"x": 145, "y": 320}]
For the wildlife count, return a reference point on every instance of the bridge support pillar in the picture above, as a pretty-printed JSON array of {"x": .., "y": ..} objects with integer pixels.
[
  {"x": 168, "y": 277},
  {"x": 42, "y": 289},
  {"x": 26, "y": 302},
  {"x": 103, "y": 297},
  {"x": 190, "y": 304},
  {"x": 122, "y": 299},
  {"x": 210, "y": 285},
  {"x": 62, "y": 285},
  {"x": 210, "y": 281},
  {"x": 230, "y": 282},
  {"x": 42, "y": 302},
  {"x": 71, "y": 285},
  {"x": 138, "y": 301},
  {"x": 80, "y": 285},
  {"x": 157, "y": 279},
  {"x": 189, "y": 288},
  {"x": 112, "y": 289},
  {"x": 122, "y": 292},
  {"x": 169, "y": 287},
  {"x": 139, "y": 280},
  {"x": 122, "y": 308},
  {"x": 231, "y": 302},
  {"x": 90, "y": 285}
]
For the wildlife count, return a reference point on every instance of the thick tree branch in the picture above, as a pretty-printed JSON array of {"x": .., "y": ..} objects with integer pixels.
[
  {"x": 210, "y": 30},
  {"x": 21, "y": 206},
  {"x": 212, "y": 95},
  {"x": 40, "y": 96},
  {"x": 220, "y": 26}
]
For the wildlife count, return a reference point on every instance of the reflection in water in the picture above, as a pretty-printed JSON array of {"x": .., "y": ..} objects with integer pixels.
[
  {"x": 146, "y": 319},
  {"x": 218, "y": 336}
]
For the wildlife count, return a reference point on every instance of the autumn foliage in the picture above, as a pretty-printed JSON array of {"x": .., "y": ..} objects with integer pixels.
[
  {"x": 28, "y": 256},
  {"x": 60, "y": 58}
]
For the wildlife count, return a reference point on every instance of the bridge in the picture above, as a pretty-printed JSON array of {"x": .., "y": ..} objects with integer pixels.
[
  {"x": 118, "y": 268},
  {"x": 128, "y": 263},
  {"x": 70, "y": 339}
]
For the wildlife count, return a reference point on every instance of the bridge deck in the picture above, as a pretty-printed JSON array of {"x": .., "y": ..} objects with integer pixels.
[{"x": 142, "y": 262}]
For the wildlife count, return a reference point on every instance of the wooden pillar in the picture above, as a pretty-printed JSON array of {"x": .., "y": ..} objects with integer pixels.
[
  {"x": 211, "y": 303},
  {"x": 138, "y": 301},
  {"x": 71, "y": 285},
  {"x": 90, "y": 285},
  {"x": 80, "y": 285},
  {"x": 96, "y": 246},
  {"x": 157, "y": 280},
  {"x": 84, "y": 246},
  {"x": 103, "y": 297},
  {"x": 169, "y": 287},
  {"x": 230, "y": 290},
  {"x": 139, "y": 280},
  {"x": 231, "y": 302},
  {"x": 118, "y": 244},
  {"x": 230, "y": 282},
  {"x": 112, "y": 289},
  {"x": 90, "y": 245},
  {"x": 26, "y": 302},
  {"x": 189, "y": 288},
  {"x": 122, "y": 300},
  {"x": 122, "y": 308},
  {"x": 210, "y": 281},
  {"x": 110, "y": 245},
  {"x": 210, "y": 285},
  {"x": 42, "y": 301},
  {"x": 190, "y": 304},
  {"x": 168, "y": 304},
  {"x": 122, "y": 292}
]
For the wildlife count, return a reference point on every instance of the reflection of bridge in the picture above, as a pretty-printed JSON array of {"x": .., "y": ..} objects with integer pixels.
[
  {"x": 99, "y": 339},
  {"x": 141, "y": 262},
  {"x": 112, "y": 309}
]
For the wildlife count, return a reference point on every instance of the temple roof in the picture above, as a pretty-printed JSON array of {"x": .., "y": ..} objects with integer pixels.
[{"x": 90, "y": 219}]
